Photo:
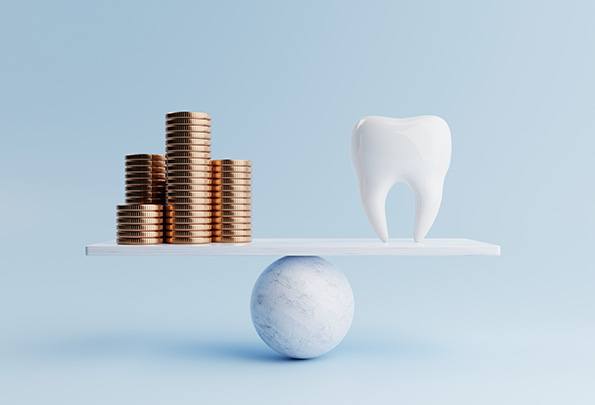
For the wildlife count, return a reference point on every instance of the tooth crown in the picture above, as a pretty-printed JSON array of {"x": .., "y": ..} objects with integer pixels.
[{"x": 415, "y": 151}]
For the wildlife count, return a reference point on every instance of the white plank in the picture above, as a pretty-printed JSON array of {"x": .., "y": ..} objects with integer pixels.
[{"x": 306, "y": 247}]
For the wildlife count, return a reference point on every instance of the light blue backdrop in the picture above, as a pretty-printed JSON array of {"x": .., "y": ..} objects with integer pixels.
[{"x": 84, "y": 83}]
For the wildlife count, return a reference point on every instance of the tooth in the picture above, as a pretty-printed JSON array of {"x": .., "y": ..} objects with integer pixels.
[{"x": 415, "y": 151}]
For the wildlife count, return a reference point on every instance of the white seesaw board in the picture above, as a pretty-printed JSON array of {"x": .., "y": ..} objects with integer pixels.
[{"x": 305, "y": 247}]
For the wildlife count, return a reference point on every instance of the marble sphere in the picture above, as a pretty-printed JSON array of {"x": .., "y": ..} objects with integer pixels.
[{"x": 302, "y": 307}]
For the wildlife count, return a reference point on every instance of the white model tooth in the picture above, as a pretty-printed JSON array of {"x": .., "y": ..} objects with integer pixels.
[{"x": 415, "y": 151}]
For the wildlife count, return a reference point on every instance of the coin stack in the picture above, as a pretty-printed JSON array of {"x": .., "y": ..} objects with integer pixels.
[
  {"x": 232, "y": 205},
  {"x": 140, "y": 224},
  {"x": 188, "y": 160},
  {"x": 145, "y": 179}
]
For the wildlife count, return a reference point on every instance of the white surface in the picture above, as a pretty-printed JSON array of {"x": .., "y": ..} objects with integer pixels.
[
  {"x": 306, "y": 247},
  {"x": 415, "y": 151},
  {"x": 302, "y": 307}
]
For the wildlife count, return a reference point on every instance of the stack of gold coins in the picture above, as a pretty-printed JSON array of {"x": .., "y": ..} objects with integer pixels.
[
  {"x": 188, "y": 160},
  {"x": 145, "y": 179},
  {"x": 140, "y": 224},
  {"x": 232, "y": 205}
]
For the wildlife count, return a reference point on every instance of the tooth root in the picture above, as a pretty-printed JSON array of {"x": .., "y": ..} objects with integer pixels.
[
  {"x": 374, "y": 200},
  {"x": 428, "y": 199}
]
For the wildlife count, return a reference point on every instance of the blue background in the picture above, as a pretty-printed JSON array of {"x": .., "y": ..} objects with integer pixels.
[{"x": 84, "y": 83}]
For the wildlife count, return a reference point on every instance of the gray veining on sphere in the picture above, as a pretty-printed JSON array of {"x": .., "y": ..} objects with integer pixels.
[{"x": 302, "y": 306}]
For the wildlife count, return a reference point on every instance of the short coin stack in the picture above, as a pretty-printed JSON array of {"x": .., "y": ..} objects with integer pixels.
[
  {"x": 188, "y": 161},
  {"x": 232, "y": 206},
  {"x": 140, "y": 224},
  {"x": 145, "y": 179}
]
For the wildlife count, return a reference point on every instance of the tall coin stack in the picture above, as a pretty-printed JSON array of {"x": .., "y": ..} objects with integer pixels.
[
  {"x": 140, "y": 224},
  {"x": 145, "y": 179},
  {"x": 140, "y": 220},
  {"x": 232, "y": 196},
  {"x": 188, "y": 160}
]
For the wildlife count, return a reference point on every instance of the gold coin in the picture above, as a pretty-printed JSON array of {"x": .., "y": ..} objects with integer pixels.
[
  {"x": 190, "y": 194},
  {"x": 232, "y": 207},
  {"x": 156, "y": 196},
  {"x": 178, "y": 147},
  {"x": 145, "y": 200},
  {"x": 189, "y": 154},
  {"x": 126, "y": 234},
  {"x": 140, "y": 241},
  {"x": 186, "y": 166},
  {"x": 137, "y": 177},
  {"x": 232, "y": 214},
  {"x": 185, "y": 127},
  {"x": 188, "y": 227},
  {"x": 145, "y": 163},
  {"x": 140, "y": 227},
  {"x": 188, "y": 121},
  {"x": 190, "y": 141},
  {"x": 231, "y": 175},
  {"x": 231, "y": 220},
  {"x": 188, "y": 234},
  {"x": 175, "y": 188},
  {"x": 179, "y": 213},
  {"x": 231, "y": 225},
  {"x": 232, "y": 187},
  {"x": 187, "y": 114},
  {"x": 232, "y": 194},
  {"x": 232, "y": 239},
  {"x": 140, "y": 220},
  {"x": 143, "y": 156},
  {"x": 179, "y": 172},
  {"x": 236, "y": 182},
  {"x": 189, "y": 207},
  {"x": 188, "y": 241},
  {"x": 189, "y": 200},
  {"x": 135, "y": 207},
  {"x": 141, "y": 214},
  {"x": 188, "y": 161},
  {"x": 151, "y": 187},
  {"x": 232, "y": 200},
  {"x": 195, "y": 181},
  {"x": 232, "y": 232},
  {"x": 231, "y": 162},
  {"x": 144, "y": 182},
  {"x": 187, "y": 220},
  {"x": 231, "y": 168}
]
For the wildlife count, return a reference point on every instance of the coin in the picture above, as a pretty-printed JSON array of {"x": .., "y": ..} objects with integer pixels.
[
  {"x": 140, "y": 241},
  {"x": 235, "y": 182},
  {"x": 188, "y": 181},
  {"x": 143, "y": 156},
  {"x": 230, "y": 220},
  {"x": 232, "y": 194},
  {"x": 137, "y": 214},
  {"x": 232, "y": 207},
  {"x": 126, "y": 234},
  {"x": 188, "y": 220},
  {"x": 232, "y": 200},
  {"x": 189, "y": 207},
  {"x": 139, "y": 200},
  {"x": 231, "y": 168},
  {"x": 140, "y": 227},
  {"x": 232, "y": 187},
  {"x": 232, "y": 232},
  {"x": 231, "y": 175},
  {"x": 140, "y": 220},
  {"x": 175, "y": 188},
  {"x": 189, "y": 154},
  {"x": 188, "y": 121},
  {"x": 188, "y": 194},
  {"x": 126, "y": 207},
  {"x": 187, "y": 114},
  {"x": 188, "y": 227},
  {"x": 174, "y": 175},
  {"x": 188, "y": 166},
  {"x": 177, "y": 213},
  {"x": 186, "y": 200},
  {"x": 178, "y": 147},
  {"x": 185, "y": 127},
  {"x": 232, "y": 239},
  {"x": 146, "y": 187},
  {"x": 188, "y": 241},
  {"x": 189, "y": 161},
  {"x": 228, "y": 162},
  {"x": 231, "y": 225},
  {"x": 188, "y": 234},
  {"x": 190, "y": 141}
]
